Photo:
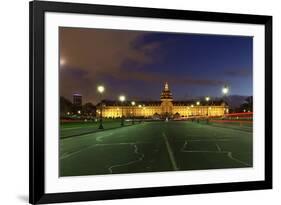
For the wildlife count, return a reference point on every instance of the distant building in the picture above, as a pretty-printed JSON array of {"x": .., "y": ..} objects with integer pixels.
[
  {"x": 77, "y": 103},
  {"x": 166, "y": 107},
  {"x": 77, "y": 100}
]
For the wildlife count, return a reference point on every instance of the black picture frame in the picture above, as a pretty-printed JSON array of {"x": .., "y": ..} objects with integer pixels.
[{"x": 37, "y": 9}]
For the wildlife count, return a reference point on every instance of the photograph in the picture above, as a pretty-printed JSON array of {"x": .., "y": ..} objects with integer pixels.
[{"x": 133, "y": 101}]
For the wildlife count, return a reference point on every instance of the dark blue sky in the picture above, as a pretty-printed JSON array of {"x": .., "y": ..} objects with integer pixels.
[{"x": 137, "y": 63}]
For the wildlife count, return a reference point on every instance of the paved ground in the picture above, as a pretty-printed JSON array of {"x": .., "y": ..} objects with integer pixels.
[{"x": 155, "y": 147}]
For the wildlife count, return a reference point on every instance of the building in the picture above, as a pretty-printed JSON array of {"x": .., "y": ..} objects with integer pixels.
[
  {"x": 77, "y": 103},
  {"x": 77, "y": 100},
  {"x": 166, "y": 107}
]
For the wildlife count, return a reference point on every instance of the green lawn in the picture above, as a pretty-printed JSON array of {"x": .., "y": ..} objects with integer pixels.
[
  {"x": 71, "y": 129},
  {"x": 153, "y": 147}
]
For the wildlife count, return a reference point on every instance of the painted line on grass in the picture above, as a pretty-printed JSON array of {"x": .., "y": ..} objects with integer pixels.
[
  {"x": 184, "y": 145},
  {"x": 67, "y": 155},
  {"x": 110, "y": 169},
  {"x": 99, "y": 138},
  {"x": 72, "y": 128},
  {"x": 229, "y": 154},
  {"x": 218, "y": 147},
  {"x": 170, "y": 151},
  {"x": 237, "y": 160}
]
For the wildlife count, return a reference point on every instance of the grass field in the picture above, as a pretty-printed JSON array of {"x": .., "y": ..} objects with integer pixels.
[{"x": 153, "y": 147}]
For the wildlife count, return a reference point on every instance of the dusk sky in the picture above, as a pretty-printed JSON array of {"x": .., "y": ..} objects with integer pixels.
[{"x": 137, "y": 63}]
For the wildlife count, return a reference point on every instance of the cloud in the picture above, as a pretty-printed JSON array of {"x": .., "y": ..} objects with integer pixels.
[
  {"x": 94, "y": 56},
  {"x": 239, "y": 73},
  {"x": 90, "y": 55},
  {"x": 157, "y": 77}
]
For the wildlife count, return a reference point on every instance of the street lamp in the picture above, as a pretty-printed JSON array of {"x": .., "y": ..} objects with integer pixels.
[
  {"x": 198, "y": 103},
  {"x": 207, "y": 99},
  {"x": 133, "y": 103},
  {"x": 225, "y": 90},
  {"x": 100, "y": 89},
  {"x": 122, "y": 98}
]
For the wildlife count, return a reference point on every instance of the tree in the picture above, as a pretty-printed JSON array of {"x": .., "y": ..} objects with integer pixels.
[
  {"x": 65, "y": 106},
  {"x": 247, "y": 105},
  {"x": 89, "y": 109},
  {"x": 177, "y": 115}
]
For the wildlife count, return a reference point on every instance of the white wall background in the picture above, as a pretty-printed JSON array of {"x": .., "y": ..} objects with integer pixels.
[{"x": 14, "y": 44}]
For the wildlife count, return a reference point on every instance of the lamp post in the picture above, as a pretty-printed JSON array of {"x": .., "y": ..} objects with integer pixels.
[
  {"x": 225, "y": 91},
  {"x": 100, "y": 89},
  {"x": 207, "y": 100},
  {"x": 133, "y": 103},
  {"x": 139, "y": 106},
  {"x": 122, "y": 98}
]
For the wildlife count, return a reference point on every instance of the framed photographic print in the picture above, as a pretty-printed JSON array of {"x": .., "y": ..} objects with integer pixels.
[{"x": 140, "y": 102}]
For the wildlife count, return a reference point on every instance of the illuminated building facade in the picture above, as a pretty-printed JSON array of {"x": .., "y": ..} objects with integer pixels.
[{"x": 166, "y": 107}]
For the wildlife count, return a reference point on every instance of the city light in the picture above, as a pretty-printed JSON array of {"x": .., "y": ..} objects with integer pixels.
[
  {"x": 122, "y": 98},
  {"x": 100, "y": 89},
  {"x": 225, "y": 90},
  {"x": 133, "y": 103},
  {"x": 207, "y": 98},
  {"x": 79, "y": 112},
  {"x": 192, "y": 105},
  {"x": 139, "y": 106},
  {"x": 197, "y": 103}
]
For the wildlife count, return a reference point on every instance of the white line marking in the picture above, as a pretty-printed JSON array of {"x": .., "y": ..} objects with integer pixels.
[
  {"x": 128, "y": 163},
  {"x": 171, "y": 155},
  {"x": 229, "y": 155},
  {"x": 204, "y": 151},
  {"x": 99, "y": 138},
  {"x": 71, "y": 128},
  {"x": 67, "y": 155},
  {"x": 218, "y": 147},
  {"x": 237, "y": 160},
  {"x": 184, "y": 145},
  {"x": 211, "y": 140}
]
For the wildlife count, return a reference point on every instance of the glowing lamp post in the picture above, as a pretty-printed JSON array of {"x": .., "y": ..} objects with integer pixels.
[
  {"x": 139, "y": 106},
  {"x": 207, "y": 100},
  {"x": 122, "y": 98},
  {"x": 133, "y": 103},
  {"x": 225, "y": 90},
  {"x": 100, "y": 90}
]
